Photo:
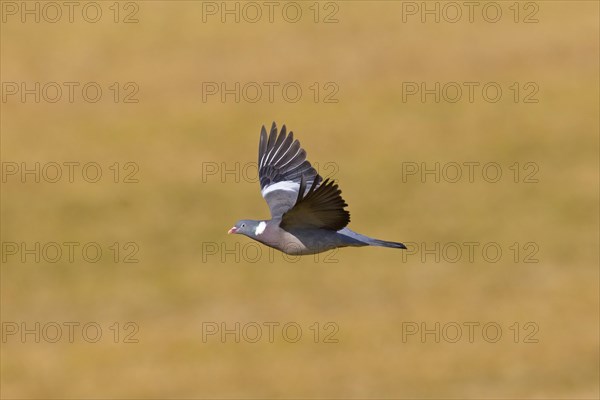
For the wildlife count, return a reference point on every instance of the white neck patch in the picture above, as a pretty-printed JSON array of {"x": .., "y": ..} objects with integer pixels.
[{"x": 260, "y": 228}]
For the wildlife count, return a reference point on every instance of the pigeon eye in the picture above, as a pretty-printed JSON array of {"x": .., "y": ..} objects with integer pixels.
[{"x": 243, "y": 225}]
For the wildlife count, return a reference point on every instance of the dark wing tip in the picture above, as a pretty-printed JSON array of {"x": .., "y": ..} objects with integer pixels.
[{"x": 322, "y": 206}]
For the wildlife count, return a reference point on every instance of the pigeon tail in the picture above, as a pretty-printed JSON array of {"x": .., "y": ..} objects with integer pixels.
[
  {"x": 370, "y": 241},
  {"x": 385, "y": 243}
]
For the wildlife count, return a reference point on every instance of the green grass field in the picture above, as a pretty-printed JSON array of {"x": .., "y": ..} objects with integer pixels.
[{"x": 191, "y": 155}]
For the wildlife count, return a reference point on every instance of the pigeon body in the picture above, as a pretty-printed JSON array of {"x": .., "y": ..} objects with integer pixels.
[{"x": 307, "y": 212}]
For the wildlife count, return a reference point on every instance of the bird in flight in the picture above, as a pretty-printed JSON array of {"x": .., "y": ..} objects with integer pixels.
[{"x": 307, "y": 212}]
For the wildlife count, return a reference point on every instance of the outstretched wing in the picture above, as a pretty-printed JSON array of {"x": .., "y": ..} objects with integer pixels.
[
  {"x": 322, "y": 207},
  {"x": 282, "y": 166}
]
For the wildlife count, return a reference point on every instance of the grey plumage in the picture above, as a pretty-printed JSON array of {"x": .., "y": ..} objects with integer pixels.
[{"x": 307, "y": 213}]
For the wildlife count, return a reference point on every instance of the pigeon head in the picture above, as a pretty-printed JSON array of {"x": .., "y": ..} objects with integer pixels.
[{"x": 248, "y": 227}]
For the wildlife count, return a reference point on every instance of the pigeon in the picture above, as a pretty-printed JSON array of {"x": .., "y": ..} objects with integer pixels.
[{"x": 307, "y": 212}]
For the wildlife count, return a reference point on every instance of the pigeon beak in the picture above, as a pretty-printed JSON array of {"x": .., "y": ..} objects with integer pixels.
[{"x": 232, "y": 230}]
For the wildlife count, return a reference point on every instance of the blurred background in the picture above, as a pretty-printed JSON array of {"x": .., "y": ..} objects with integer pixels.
[{"x": 176, "y": 155}]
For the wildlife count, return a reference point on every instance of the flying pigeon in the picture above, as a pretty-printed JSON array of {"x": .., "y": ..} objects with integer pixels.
[{"x": 307, "y": 212}]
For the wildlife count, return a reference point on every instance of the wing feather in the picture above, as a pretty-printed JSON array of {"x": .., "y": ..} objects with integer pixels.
[
  {"x": 282, "y": 165},
  {"x": 322, "y": 207}
]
